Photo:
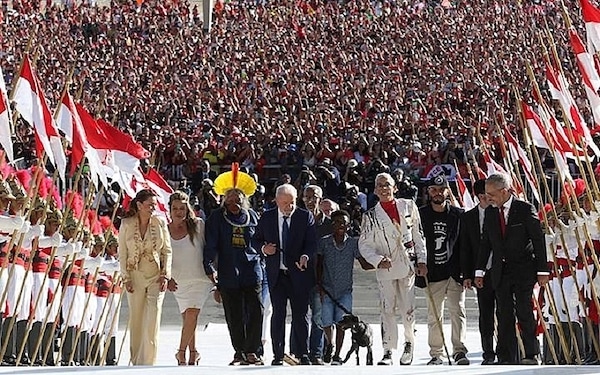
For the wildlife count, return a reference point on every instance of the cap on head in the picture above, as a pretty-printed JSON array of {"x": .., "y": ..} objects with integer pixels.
[{"x": 440, "y": 181}]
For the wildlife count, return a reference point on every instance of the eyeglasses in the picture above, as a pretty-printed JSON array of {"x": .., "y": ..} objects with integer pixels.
[{"x": 384, "y": 185}]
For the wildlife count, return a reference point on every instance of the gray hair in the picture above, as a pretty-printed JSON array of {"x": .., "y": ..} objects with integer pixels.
[
  {"x": 334, "y": 205},
  {"x": 500, "y": 180},
  {"x": 386, "y": 176},
  {"x": 315, "y": 189},
  {"x": 286, "y": 189}
]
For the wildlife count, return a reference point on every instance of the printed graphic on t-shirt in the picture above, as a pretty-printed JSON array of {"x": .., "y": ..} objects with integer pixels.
[{"x": 440, "y": 252}]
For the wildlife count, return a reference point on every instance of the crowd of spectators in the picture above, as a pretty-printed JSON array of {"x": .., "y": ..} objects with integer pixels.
[{"x": 331, "y": 92}]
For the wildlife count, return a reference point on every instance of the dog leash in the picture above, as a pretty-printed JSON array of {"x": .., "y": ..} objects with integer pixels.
[{"x": 335, "y": 301}]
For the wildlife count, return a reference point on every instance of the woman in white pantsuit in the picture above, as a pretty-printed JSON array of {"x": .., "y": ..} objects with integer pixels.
[{"x": 145, "y": 247}]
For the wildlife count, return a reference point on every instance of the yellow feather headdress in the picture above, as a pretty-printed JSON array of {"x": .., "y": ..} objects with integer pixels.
[{"x": 234, "y": 179}]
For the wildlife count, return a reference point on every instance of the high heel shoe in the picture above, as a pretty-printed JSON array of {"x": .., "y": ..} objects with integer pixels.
[
  {"x": 194, "y": 358},
  {"x": 180, "y": 357}
]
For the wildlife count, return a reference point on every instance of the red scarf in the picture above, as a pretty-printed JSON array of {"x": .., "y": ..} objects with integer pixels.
[{"x": 391, "y": 210}]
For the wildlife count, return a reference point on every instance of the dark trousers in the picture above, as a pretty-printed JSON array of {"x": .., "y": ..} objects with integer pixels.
[
  {"x": 486, "y": 301},
  {"x": 514, "y": 295},
  {"x": 244, "y": 315},
  {"x": 281, "y": 292},
  {"x": 317, "y": 337}
]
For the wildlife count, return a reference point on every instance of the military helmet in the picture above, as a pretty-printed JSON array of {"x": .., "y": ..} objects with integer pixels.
[
  {"x": 17, "y": 189},
  {"x": 5, "y": 191},
  {"x": 54, "y": 215}
]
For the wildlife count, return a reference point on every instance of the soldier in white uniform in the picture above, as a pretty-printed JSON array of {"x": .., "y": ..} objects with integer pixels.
[{"x": 18, "y": 260}]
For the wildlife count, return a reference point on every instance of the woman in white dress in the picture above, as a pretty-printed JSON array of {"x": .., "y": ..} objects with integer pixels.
[{"x": 189, "y": 282}]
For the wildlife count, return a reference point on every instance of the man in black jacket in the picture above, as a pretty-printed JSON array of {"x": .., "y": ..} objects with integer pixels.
[
  {"x": 471, "y": 227},
  {"x": 513, "y": 235},
  {"x": 441, "y": 226}
]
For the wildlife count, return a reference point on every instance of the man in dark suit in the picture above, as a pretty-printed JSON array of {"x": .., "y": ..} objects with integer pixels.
[
  {"x": 287, "y": 236},
  {"x": 470, "y": 238},
  {"x": 513, "y": 235}
]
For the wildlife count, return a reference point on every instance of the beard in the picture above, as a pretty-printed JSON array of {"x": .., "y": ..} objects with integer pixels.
[{"x": 438, "y": 199}]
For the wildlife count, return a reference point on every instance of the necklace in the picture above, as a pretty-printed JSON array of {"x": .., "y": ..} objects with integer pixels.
[{"x": 335, "y": 243}]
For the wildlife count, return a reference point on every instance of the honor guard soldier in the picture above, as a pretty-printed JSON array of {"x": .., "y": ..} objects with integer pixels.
[
  {"x": 31, "y": 240},
  {"x": 74, "y": 288},
  {"x": 18, "y": 259},
  {"x": 65, "y": 249}
]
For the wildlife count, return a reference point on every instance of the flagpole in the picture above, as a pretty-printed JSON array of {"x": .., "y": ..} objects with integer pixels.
[
  {"x": 93, "y": 352},
  {"x": 80, "y": 326},
  {"x": 64, "y": 268},
  {"x": 80, "y": 271},
  {"x": 53, "y": 254},
  {"x": 562, "y": 238},
  {"x": 578, "y": 209},
  {"x": 530, "y": 153},
  {"x": 32, "y": 35},
  {"x": 113, "y": 323},
  {"x": 106, "y": 237}
]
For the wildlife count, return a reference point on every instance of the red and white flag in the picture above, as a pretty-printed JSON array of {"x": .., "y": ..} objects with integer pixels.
[
  {"x": 118, "y": 151},
  {"x": 158, "y": 184},
  {"x": 589, "y": 74},
  {"x": 559, "y": 89},
  {"x": 517, "y": 153},
  {"x": 33, "y": 107},
  {"x": 463, "y": 193},
  {"x": 542, "y": 137},
  {"x": 70, "y": 123},
  {"x": 5, "y": 120},
  {"x": 591, "y": 17},
  {"x": 152, "y": 181}
]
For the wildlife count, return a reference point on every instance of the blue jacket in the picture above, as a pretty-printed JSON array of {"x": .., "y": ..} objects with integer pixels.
[{"x": 229, "y": 251}]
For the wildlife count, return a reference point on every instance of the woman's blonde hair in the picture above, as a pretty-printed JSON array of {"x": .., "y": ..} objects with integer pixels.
[
  {"x": 190, "y": 215},
  {"x": 140, "y": 197}
]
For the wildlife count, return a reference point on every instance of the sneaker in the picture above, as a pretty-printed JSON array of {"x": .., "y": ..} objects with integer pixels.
[
  {"x": 435, "y": 361},
  {"x": 328, "y": 352},
  {"x": 387, "y": 359},
  {"x": 336, "y": 361},
  {"x": 461, "y": 359},
  {"x": 407, "y": 355}
]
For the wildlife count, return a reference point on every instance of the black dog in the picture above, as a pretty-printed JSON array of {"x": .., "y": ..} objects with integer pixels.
[{"x": 362, "y": 336}]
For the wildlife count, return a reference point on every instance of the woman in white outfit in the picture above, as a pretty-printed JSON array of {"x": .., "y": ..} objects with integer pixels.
[{"x": 189, "y": 282}]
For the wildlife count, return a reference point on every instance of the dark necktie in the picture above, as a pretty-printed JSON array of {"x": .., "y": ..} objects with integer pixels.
[
  {"x": 285, "y": 233},
  {"x": 502, "y": 221}
]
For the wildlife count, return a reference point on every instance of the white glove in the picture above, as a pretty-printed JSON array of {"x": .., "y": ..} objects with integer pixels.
[
  {"x": 55, "y": 240},
  {"x": 36, "y": 230},
  {"x": 597, "y": 206},
  {"x": 65, "y": 248},
  {"x": 91, "y": 264},
  {"x": 78, "y": 246},
  {"x": 83, "y": 253},
  {"x": 25, "y": 227},
  {"x": 110, "y": 266},
  {"x": 580, "y": 220}
]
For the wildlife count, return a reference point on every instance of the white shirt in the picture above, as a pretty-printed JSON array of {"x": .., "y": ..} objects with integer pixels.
[{"x": 280, "y": 216}]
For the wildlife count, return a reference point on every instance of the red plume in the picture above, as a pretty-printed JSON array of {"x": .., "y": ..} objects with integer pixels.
[
  {"x": 235, "y": 169},
  {"x": 94, "y": 223},
  {"x": 24, "y": 177},
  {"x": 5, "y": 168},
  {"x": 76, "y": 205}
]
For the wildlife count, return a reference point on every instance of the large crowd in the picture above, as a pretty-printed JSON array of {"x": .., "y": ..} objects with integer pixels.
[
  {"x": 357, "y": 87},
  {"x": 344, "y": 103}
]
